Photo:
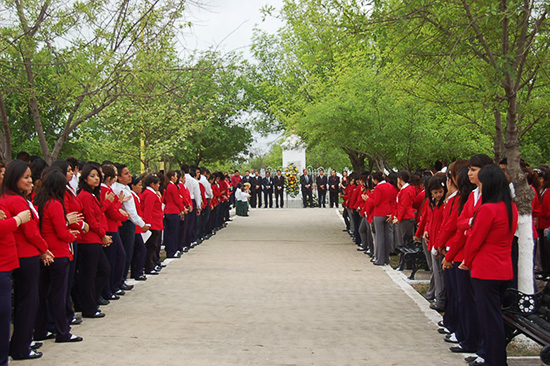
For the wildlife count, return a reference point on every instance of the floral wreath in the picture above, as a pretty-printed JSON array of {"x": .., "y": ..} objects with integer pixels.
[{"x": 291, "y": 182}]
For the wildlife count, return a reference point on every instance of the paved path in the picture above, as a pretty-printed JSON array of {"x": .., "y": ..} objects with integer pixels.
[{"x": 281, "y": 287}]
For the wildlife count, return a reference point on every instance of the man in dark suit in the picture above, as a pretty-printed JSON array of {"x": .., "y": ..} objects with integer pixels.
[
  {"x": 333, "y": 188},
  {"x": 250, "y": 179},
  {"x": 258, "y": 189},
  {"x": 279, "y": 185},
  {"x": 267, "y": 187},
  {"x": 307, "y": 192},
  {"x": 322, "y": 188}
]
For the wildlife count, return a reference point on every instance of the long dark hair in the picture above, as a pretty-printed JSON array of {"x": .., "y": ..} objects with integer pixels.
[
  {"x": 14, "y": 171},
  {"x": 83, "y": 186},
  {"x": 465, "y": 187},
  {"x": 436, "y": 182},
  {"x": 52, "y": 188},
  {"x": 495, "y": 188},
  {"x": 480, "y": 160}
]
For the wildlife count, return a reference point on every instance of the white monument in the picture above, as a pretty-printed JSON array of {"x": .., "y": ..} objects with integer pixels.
[{"x": 294, "y": 152}]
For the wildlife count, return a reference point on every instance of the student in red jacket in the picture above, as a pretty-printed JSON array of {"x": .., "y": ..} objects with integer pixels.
[
  {"x": 31, "y": 247},
  {"x": 138, "y": 259},
  {"x": 8, "y": 262},
  {"x": 383, "y": 198},
  {"x": 151, "y": 205},
  {"x": 76, "y": 222},
  {"x": 430, "y": 224},
  {"x": 54, "y": 228},
  {"x": 111, "y": 204},
  {"x": 488, "y": 254},
  {"x": 405, "y": 214},
  {"x": 183, "y": 247},
  {"x": 93, "y": 267},
  {"x": 173, "y": 210}
]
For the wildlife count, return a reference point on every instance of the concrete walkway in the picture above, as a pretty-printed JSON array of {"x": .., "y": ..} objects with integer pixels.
[{"x": 281, "y": 287}]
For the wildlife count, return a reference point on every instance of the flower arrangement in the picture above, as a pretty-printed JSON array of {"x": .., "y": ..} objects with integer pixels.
[{"x": 292, "y": 185}]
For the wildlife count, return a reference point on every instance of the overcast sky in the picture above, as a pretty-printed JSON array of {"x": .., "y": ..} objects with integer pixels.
[{"x": 227, "y": 24}]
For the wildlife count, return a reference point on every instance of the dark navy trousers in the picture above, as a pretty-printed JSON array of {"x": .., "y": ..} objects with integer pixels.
[
  {"x": 171, "y": 234},
  {"x": 5, "y": 316}
]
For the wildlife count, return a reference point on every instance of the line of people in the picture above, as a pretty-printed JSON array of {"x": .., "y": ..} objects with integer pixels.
[
  {"x": 72, "y": 233},
  {"x": 466, "y": 219}
]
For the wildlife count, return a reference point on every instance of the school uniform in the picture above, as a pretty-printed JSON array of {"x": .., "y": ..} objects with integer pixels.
[
  {"x": 54, "y": 277},
  {"x": 72, "y": 204},
  {"x": 151, "y": 206},
  {"x": 186, "y": 199},
  {"x": 173, "y": 206},
  {"x": 488, "y": 256},
  {"x": 115, "y": 253},
  {"x": 383, "y": 202},
  {"x": 93, "y": 267},
  {"x": 405, "y": 214},
  {"x": 30, "y": 245},
  {"x": 8, "y": 262},
  {"x": 138, "y": 259}
]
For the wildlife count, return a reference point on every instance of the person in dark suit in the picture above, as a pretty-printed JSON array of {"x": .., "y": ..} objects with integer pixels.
[
  {"x": 333, "y": 188},
  {"x": 307, "y": 193},
  {"x": 257, "y": 192},
  {"x": 279, "y": 185},
  {"x": 322, "y": 184},
  {"x": 267, "y": 187},
  {"x": 250, "y": 179}
]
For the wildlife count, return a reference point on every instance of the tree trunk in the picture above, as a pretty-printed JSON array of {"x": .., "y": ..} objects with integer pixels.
[
  {"x": 5, "y": 134},
  {"x": 524, "y": 196},
  {"x": 498, "y": 147},
  {"x": 357, "y": 160}
]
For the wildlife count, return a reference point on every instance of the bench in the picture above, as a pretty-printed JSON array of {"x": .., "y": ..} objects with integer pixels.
[
  {"x": 411, "y": 255},
  {"x": 528, "y": 315}
]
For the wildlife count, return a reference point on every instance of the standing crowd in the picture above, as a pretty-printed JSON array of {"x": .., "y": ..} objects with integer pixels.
[
  {"x": 72, "y": 233},
  {"x": 466, "y": 219}
]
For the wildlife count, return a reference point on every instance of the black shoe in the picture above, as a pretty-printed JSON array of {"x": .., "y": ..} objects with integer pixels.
[
  {"x": 114, "y": 297},
  {"x": 185, "y": 250},
  {"x": 158, "y": 268},
  {"x": 470, "y": 359},
  {"x": 437, "y": 308},
  {"x": 459, "y": 349},
  {"x": 36, "y": 344},
  {"x": 96, "y": 315},
  {"x": 443, "y": 331},
  {"x": 360, "y": 249},
  {"x": 72, "y": 339},
  {"x": 31, "y": 356},
  {"x": 440, "y": 323},
  {"x": 153, "y": 272},
  {"x": 141, "y": 278},
  {"x": 126, "y": 287},
  {"x": 102, "y": 301},
  {"x": 451, "y": 338},
  {"x": 76, "y": 321},
  {"x": 120, "y": 292}
]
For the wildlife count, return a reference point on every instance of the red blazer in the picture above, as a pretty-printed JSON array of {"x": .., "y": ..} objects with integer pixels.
[
  {"x": 468, "y": 212},
  {"x": 488, "y": 250},
  {"x": 224, "y": 190},
  {"x": 384, "y": 199},
  {"x": 405, "y": 202},
  {"x": 27, "y": 236},
  {"x": 113, "y": 217},
  {"x": 151, "y": 205},
  {"x": 535, "y": 212},
  {"x": 185, "y": 195},
  {"x": 356, "y": 200},
  {"x": 9, "y": 259},
  {"x": 348, "y": 192},
  {"x": 217, "y": 195},
  {"x": 203, "y": 195},
  {"x": 94, "y": 217},
  {"x": 544, "y": 214},
  {"x": 448, "y": 225},
  {"x": 173, "y": 200},
  {"x": 72, "y": 204},
  {"x": 137, "y": 203},
  {"x": 55, "y": 230},
  {"x": 434, "y": 226},
  {"x": 418, "y": 203}
]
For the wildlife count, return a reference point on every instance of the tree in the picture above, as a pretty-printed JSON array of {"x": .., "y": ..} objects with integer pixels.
[{"x": 65, "y": 62}]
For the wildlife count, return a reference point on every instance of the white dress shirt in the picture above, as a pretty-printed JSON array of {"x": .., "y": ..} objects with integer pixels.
[
  {"x": 194, "y": 190},
  {"x": 130, "y": 205},
  {"x": 207, "y": 187}
]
